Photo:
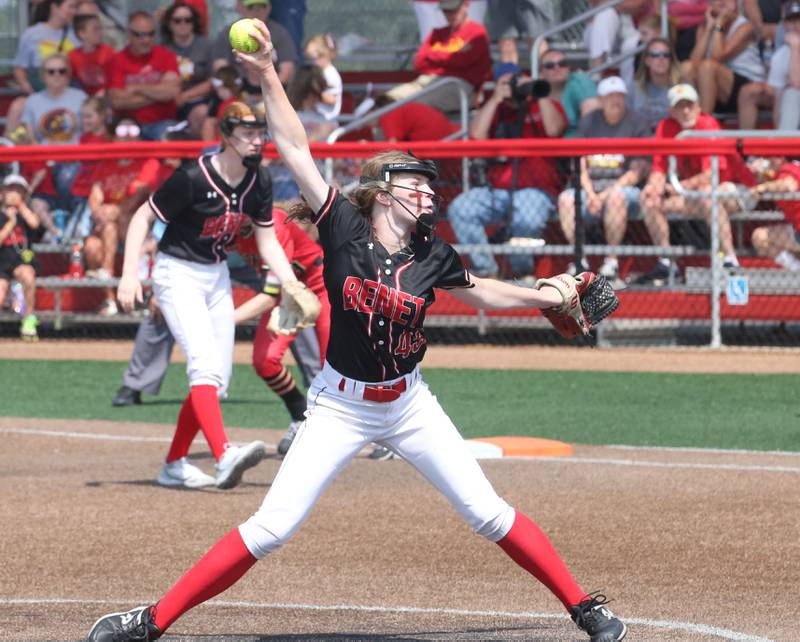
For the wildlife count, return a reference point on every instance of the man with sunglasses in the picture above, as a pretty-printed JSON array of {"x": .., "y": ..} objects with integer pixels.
[{"x": 144, "y": 79}]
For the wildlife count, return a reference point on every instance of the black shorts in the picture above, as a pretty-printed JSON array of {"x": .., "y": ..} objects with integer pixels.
[
  {"x": 10, "y": 260},
  {"x": 731, "y": 106}
]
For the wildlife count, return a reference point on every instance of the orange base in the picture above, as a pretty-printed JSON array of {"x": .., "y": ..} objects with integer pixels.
[{"x": 528, "y": 446}]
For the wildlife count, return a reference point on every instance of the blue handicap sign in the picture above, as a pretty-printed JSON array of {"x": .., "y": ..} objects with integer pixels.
[{"x": 737, "y": 291}]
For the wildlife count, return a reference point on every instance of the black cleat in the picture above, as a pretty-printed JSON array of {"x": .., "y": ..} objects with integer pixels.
[
  {"x": 135, "y": 625},
  {"x": 593, "y": 617},
  {"x": 126, "y": 397}
]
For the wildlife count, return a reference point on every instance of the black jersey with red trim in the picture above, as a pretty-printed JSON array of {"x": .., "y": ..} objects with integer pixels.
[
  {"x": 203, "y": 213},
  {"x": 378, "y": 300}
]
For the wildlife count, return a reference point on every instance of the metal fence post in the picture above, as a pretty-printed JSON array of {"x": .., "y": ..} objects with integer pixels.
[
  {"x": 579, "y": 230},
  {"x": 716, "y": 267}
]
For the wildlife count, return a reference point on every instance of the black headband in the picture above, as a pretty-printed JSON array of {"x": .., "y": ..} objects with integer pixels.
[
  {"x": 425, "y": 167},
  {"x": 233, "y": 121}
]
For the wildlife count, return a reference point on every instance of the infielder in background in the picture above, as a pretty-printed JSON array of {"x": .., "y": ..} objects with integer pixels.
[
  {"x": 269, "y": 347},
  {"x": 204, "y": 206},
  {"x": 382, "y": 265}
]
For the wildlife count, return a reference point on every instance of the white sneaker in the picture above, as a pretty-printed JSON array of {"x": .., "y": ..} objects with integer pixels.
[
  {"x": 609, "y": 269},
  {"x": 236, "y": 460},
  {"x": 182, "y": 472}
]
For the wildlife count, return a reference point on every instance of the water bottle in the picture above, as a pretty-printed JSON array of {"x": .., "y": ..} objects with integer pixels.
[
  {"x": 75, "y": 269},
  {"x": 19, "y": 298},
  {"x": 60, "y": 220}
]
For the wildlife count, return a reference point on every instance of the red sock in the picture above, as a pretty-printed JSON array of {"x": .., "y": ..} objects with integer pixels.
[
  {"x": 529, "y": 547},
  {"x": 185, "y": 432},
  {"x": 209, "y": 416},
  {"x": 216, "y": 571}
]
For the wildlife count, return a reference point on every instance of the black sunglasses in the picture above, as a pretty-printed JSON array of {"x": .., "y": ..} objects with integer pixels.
[
  {"x": 555, "y": 64},
  {"x": 659, "y": 54},
  {"x": 142, "y": 34},
  {"x": 52, "y": 71},
  {"x": 180, "y": 19}
]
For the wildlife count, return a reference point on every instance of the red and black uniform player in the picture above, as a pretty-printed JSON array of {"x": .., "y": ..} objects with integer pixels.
[
  {"x": 305, "y": 255},
  {"x": 381, "y": 268}
]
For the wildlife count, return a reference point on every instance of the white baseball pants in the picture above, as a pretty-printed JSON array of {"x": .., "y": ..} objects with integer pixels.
[
  {"x": 197, "y": 304},
  {"x": 339, "y": 423}
]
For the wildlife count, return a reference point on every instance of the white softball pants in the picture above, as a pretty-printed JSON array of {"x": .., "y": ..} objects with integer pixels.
[
  {"x": 339, "y": 423},
  {"x": 197, "y": 305}
]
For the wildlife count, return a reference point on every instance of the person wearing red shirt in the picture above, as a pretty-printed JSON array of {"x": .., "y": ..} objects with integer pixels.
[
  {"x": 659, "y": 198},
  {"x": 519, "y": 195},
  {"x": 780, "y": 242},
  {"x": 88, "y": 62},
  {"x": 119, "y": 186},
  {"x": 460, "y": 51},
  {"x": 415, "y": 121},
  {"x": 144, "y": 79}
]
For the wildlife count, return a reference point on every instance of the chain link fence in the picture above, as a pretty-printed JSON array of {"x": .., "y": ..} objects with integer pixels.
[{"x": 678, "y": 289}]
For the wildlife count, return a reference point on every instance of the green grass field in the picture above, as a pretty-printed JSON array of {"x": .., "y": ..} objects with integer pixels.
[{"x": 758, "y": 412}]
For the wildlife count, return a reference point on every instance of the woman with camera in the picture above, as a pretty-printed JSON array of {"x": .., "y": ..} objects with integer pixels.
[{"x": 517, "y": 194}]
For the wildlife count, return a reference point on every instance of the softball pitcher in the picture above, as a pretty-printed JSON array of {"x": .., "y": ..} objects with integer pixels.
[
  {"x": 204, "y": 205},
  {"x": 381, "y": 267}
]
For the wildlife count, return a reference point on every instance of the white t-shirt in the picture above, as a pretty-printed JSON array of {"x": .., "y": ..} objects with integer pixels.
[
  {"x": 334, "y": 82},
  {"x": 779, "y": 67}
]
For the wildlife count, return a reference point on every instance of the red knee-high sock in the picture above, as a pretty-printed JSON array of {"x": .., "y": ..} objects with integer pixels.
[
  {"x": 216, "y": 571},
  {"x": 185, "y": 431},
  {"x": 529, "y": 547},
  {"x": 209, "y": 417}
]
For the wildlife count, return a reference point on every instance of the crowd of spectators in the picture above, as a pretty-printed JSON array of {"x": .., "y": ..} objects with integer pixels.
[{"x": 732, "y": 59}]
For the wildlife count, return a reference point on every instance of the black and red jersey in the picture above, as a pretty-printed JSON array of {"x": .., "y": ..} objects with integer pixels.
[
  {"x": 378, "y": 301},
  {"x": 203, "y": 213}
]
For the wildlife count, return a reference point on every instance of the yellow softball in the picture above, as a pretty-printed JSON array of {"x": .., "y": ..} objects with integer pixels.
[{"x": 240, "y": 37}]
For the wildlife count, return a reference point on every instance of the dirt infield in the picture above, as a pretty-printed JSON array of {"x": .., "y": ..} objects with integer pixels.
[{"x": 692, "y": 545}]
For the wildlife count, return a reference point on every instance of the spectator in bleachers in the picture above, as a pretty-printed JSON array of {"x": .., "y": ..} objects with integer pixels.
[
  {"x": 227, "y": 87},
  {"x": 517, "y": 194},
  {"x": 284, "y": 53},
  {"x": 199, "y": 6},
  {"x": 415, "y": 121},
  {"x": 756, "y": 96},
  {"x": 649, "y": 29},
  {"x": 113, "y": 33},
  {"x": 765, "y": 16},
  {"x": 513, "y": 20},
  {"x": 144, "y": 79},
  {"x": 459, "y": 51},
  {"x": 658, "y": 72},
  {"x": 94, "y": 125},
  {"x": 724, "y": 58},
  {"x": 52, "y": 117},
  {"x": 784, "y": 73},
  {"x": 17, "y": 260},
  {"x": 88, "y": 62},
  {"x": 50, "y": 33},
  {"x": 659, "y": 198},
  {"x": 181, "y": 32},
  {"x": 321, "y": 51},
  {"x": 119, "y": 186},
  {"x": 290, "y": 14},
  {"x": 610, "y": 182},
  {"x": 781, "y": 242},
  {"x": 575, "y": 91},
  {"x": 687, "y": 16},
  {"x": 430, "y": 16},
  {"x": 613, "y": 31}
]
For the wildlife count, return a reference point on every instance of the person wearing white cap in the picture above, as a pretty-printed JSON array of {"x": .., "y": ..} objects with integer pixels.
[
  {"x": 659, "y": 197},
  {"x": 17, "y": 260},
  {"x": 611, "y": 182}
]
